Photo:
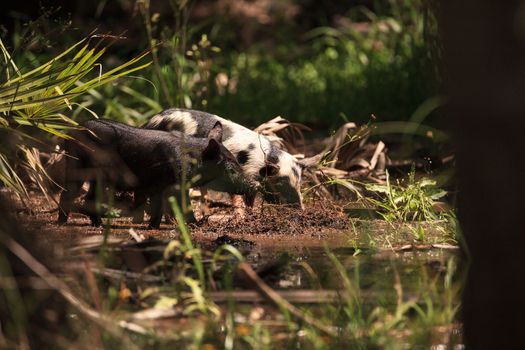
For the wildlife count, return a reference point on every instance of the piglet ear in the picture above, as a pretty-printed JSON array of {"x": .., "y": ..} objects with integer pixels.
[
  {"x": 216, "y": 132},
  {"x": 212, "y": 151}
]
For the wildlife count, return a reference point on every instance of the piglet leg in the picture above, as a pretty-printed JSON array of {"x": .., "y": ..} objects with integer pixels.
[
  {"x": 239, "y": 207},
  {"x": 156, "y": 207},
  {"x": 139, "y": 205}
]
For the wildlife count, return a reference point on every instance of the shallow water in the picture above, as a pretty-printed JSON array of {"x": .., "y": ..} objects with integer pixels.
[
  {"x": 374, "y": 271},
  {"x": 382, "y": 278}
]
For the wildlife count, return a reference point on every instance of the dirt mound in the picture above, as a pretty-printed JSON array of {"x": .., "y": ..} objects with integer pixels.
[{"x": 280, "y": 219}]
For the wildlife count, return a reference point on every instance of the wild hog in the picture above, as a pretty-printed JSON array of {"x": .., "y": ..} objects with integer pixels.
[
  {"x": 278, "y": 171},
  {"x": 148, "y": 162}
]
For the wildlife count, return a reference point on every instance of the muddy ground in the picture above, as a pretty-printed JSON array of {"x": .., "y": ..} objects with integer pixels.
[{"x": 274, "y": 227}]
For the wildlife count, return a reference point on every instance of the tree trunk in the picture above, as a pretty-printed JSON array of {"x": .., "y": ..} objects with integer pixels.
[{"x": 485, "y": 73}]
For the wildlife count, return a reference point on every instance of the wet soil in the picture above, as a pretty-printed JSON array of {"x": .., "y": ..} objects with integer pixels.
[
  {"x": 267, "y": 226},
  {"x": 318, "y": 222}
]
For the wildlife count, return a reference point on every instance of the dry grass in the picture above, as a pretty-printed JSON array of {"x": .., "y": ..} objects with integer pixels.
[{"x": 348, "y": 157}]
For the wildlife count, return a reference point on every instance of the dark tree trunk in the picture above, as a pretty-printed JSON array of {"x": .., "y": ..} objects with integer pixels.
[{"x": 485, "y": 64}]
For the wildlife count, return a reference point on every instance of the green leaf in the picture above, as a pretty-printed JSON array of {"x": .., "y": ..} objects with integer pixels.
[
  {"x": 439, "y": 194},
  {"x": 424, "y": 182},
  {"x": 165, "y": 302},
  {"x": 380, "y": 188}
]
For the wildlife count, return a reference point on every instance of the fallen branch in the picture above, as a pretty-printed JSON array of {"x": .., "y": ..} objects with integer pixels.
[
  {"x": 128, "y": 275},
  {"x": 156, "y": 314},
  {"x": 292, "y": 296},
  {"x": 421, "y": 247}
]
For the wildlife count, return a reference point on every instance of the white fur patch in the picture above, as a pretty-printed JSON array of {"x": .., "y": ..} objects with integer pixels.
[
  {"x": 155, "y": 120},
  {"x": 243, "y": 136},
  {"x": 287, "y": 163},
  {"x": 257, "y": 156},
  {"x": 183, "y": 117}
]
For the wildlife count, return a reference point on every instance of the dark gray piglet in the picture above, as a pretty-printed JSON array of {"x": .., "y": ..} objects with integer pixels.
[{"x": 149, "y": 162}]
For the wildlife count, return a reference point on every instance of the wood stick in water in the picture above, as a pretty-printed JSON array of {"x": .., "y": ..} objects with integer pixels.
[{"x": 278, "y": 300}]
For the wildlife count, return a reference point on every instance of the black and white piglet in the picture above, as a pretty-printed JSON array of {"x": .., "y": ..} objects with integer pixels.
[
  {"x": 148, "y": 162},
  {"x": 278, "y": 171}
]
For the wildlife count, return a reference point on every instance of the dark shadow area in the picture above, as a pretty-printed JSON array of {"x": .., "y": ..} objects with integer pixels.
[{"x": 485, "y": 61}]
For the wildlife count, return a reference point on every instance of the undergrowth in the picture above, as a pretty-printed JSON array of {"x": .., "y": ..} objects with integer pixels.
[{"x": 411, "y": 201}]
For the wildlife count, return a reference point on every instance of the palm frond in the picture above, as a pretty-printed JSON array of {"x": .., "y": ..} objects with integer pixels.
[{"x": 37, "y": 99}]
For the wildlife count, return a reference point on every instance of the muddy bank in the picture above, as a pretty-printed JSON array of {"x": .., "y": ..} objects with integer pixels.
[
  {"x": 269, "y": 226},
  {"x": 319, "y": 223}
]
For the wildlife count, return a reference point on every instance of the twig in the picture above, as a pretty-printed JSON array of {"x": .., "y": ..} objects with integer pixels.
[
  {"x": 92, "y": 285},
  {"x": 292, "y": 296},
  {"x": 445, "y": 246},
  {"x": 379, "y": 148},
  {"x": 156, "y": 314},
  {"x": 138, "y": 237},
  {"x": 118, "y": 274}
]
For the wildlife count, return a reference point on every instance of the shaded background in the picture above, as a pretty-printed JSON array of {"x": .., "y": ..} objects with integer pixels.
[{"x": 317, "y": 62}]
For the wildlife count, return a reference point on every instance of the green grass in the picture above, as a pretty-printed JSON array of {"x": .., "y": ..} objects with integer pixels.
[
  {"x": 416, "y": 306},
  {"x": 321, "y": 78},
  {"x": 412, "y": 201},
  {"x": 337, "y": 73}
]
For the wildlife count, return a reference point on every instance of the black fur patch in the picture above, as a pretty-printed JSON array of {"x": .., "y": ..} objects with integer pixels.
[
  {"x": 296, "y": 172},
  {"x": 273, "y": 156},
  {"x": 205, "y": 122},
  {"x": 284, "y": 179},
  {"x": 167, "y": 124},
  {"x": 268, "y": 170},
  {"x": 170, "y": 125},
  {"x": 243, "y": 157}
]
